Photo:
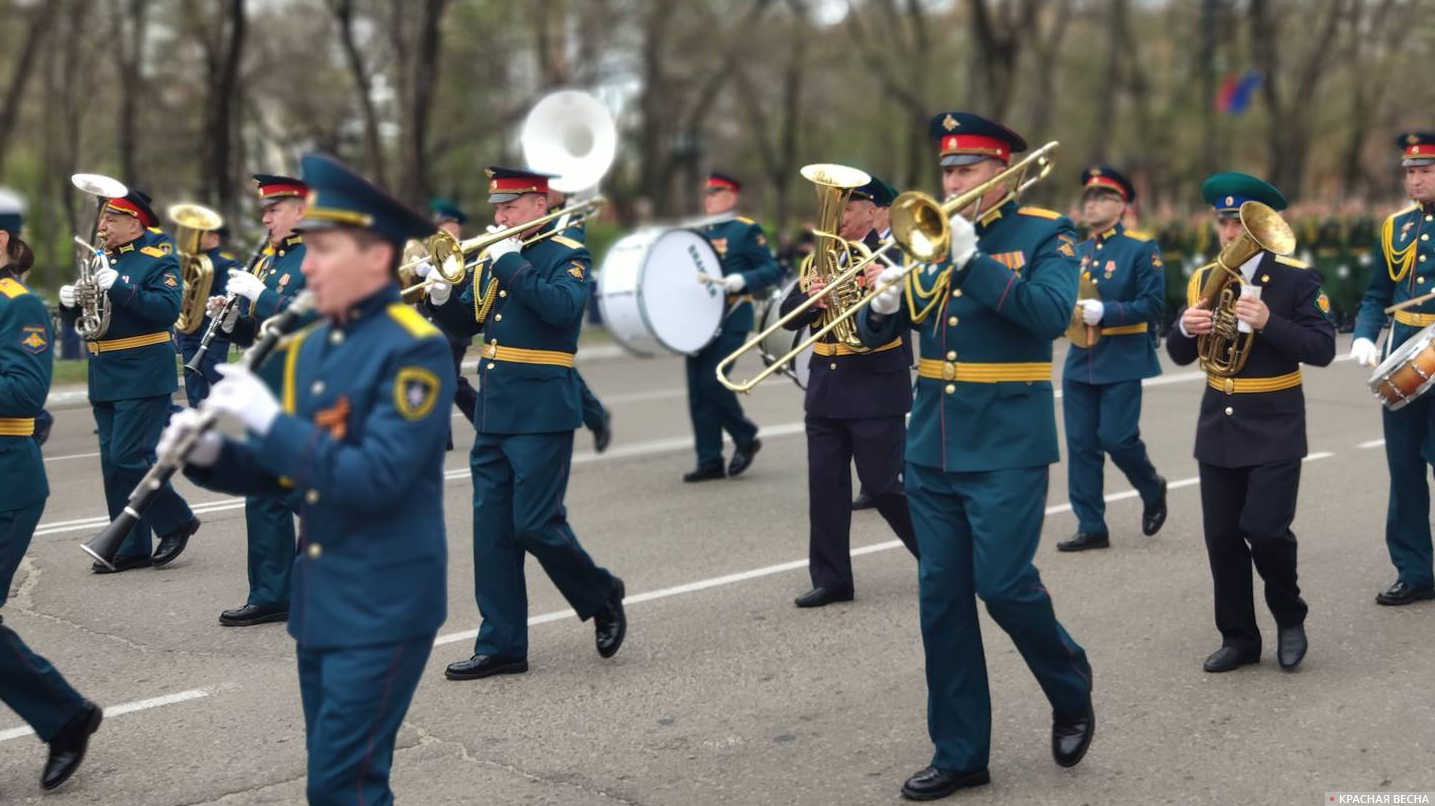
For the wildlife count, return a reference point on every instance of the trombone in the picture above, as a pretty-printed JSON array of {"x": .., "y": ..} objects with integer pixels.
[
  {"x": 921, "y": 228},
  {"x": 448, "y": 254}
]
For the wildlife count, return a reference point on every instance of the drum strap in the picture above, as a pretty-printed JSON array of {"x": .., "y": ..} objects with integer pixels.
[
  {"x": 1248, "y": 386},
  {"x": 984, "y": 372}
]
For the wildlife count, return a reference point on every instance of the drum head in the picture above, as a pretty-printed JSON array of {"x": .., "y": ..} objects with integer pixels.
[
  {"x": 650, "y": 294},
  {"x": 781, "y": 341},
  {"x": 1405, "y": 374}
]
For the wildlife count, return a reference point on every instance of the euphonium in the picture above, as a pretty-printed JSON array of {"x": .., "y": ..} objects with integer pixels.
[
  {"x": 94, "y": 304},
  {"x": 1080, "y": 333},
  {"x": 191, "y": 221},
  {"x": 1224, "y": 350},
  {"x": 831, "y": 253}
]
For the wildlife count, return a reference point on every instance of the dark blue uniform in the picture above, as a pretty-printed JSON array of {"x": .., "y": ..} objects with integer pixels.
[
  {"x": 981, "y": 437},
  {"x": 131, "y": 379},
  {"x": 595, "y": 416},
  {"x": 1405, "y": 269},
  {"x": 196, "y": 384},
  {"x": 1101, "y": 386}
]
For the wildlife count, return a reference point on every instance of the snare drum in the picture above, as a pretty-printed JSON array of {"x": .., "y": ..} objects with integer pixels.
[
  {"x": 1408, "y": 373},
  {"x": 781, "y": 341},
  {"x": 650, "y": 294}
]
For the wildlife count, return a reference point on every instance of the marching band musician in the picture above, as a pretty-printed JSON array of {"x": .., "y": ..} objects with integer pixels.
[
  {"x": 856, "y": 405},
  {"x": 1101, "y": 385},
  {"x": 132, "y": 375},
  {"x": 982, "y": 434},
  {"x": 356, "y": 432},
  {"x": 196, "y": 384},
  {"x": 1250, "y": 436},
  {"x": 1404, "y": 274},
  {"x": 748, "y": 270},
  {"x": 596, "y": 417},
  {"x": 29, "y": 685},
  {"x": 448, "y": 217},
  {"x": 264, "y": 292},
  {"x": 882, "y": 195},
  {"x": 529, "y": 304}
]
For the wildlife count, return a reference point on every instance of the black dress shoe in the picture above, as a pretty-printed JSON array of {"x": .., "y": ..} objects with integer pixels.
[
  {"x": 67, "y": 749},
  {"x": 862, "y": 501},
  {"x": 170, "y": 546},
  {"x": 705, "y": 472},
  {"x": 610, "y": 624},
  {"x": 1153, "y": 515},
  {"x": 1402, "y": 594},
  {"x": 1228, "y": 657},
  {"x": 1071, "y": 737},
  {"x": 1081, "y": 541},
  {"x": 742, "y": 457},
  {"x": 819, "y": 596},
  {"x": 485, "y": 666},
  {"x": 251, "y": 614},
  {"x": 932, "y": 783},
  {"x": 1290, "y": 645},
  {"x": 603, "y": 434},
  {"x": 123, "y": 564}
]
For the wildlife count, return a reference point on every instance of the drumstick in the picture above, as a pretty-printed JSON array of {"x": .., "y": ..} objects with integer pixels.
[
  {"x": 709, "y": 279},
  {"x": 1410, "y": 303}
]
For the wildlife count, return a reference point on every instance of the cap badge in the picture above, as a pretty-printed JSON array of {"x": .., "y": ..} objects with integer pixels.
[
  {"x": 1230, "y": 201},
  {"x": 1411, "y": 139},
  {"x": 949, "y": 122}
]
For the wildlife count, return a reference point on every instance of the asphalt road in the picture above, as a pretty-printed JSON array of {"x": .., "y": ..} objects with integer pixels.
[{"x": 724, "y": 692}]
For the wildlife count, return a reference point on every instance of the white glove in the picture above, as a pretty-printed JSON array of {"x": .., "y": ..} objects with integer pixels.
[
  {"x": 243, "y": 396},
  {"x": 104, "y": 278},
  {"x": 734, "y": 283},
  {"x": 422, "y": 269},
  {"x": 213, "y": 305},
  {"x": 245, "y": 284},
  {"x": 964, "y": 240},
  {"x": 67, "y": 296},
  {"x": 205, "y": 450},
  {"x": 439, "y": 292},
  {"x": 504, "y": 247},
  {"x": 230, "y": 320},
  {"x": 1091, "y": 310},
  {"x": 1364, "y": 352},
  {"x": 889, "y": 300}
]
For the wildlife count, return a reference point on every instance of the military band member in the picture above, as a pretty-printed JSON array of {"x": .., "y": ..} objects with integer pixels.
[
  {"x": 596, "y": 417},
  {"x": 882, "y": 195},
  {"x": 264, "y": 292},
  {"x": 856, "y": 405},
  {"x": 196, "y": 384},
  {"x": 1250, "y": 435},
  {"x": 981, "y": 436},
  {"x": 132, "y": 375},
  {"x": 1404, "y": 269},
  {"x": 528, "y": 302},
  {"x": 748, "y": 270},
  {"x": 356, "y": 432},
  {"x": 1101, "y": 385},
  {"x": 450, "y": 218},
  {"x": 28, "y": 683}
]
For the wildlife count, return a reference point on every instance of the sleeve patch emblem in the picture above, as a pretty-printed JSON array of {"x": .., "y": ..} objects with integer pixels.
[
  {"x": 170, "y": 281},
  {"x": 415, "y": 391},
  {"x": 576, "y": 269},
  {"x": 33, "y": 339},
  {"x": 1068, "y": 245},
  {"x": 1322, "y": 303}
]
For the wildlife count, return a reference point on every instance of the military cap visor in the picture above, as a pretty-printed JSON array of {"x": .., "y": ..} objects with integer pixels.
[
  {"x": 881, "y": 193},
  {"x": 339, "y": 197},
  {"x": 12, "y": 211},
  {"x": 1227, "y": 191},
  {"x": 445, "y": 210},
  {"x": 1104, "y": 177},
  {"x": 135, "y": 204},
  {"x": 720, "y": 181},
  {"x": 963, "y": 138},
  {"x": 507, "y": 184},
  {"x": 273, "y": 188},
  {"x": 1416, "y": 148}
]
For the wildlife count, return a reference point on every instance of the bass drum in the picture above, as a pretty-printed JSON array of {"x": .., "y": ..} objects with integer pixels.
[
  {"x": 650, "y": 294},
  {"x": 781, "y": 341},
  {"x": 1408, "y": 373}
]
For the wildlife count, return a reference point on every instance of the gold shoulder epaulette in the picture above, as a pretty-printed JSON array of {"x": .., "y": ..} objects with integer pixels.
[
  {"x": 1292, "y": 262},
  {"x": 1039, "y": 212},
  {"x": 1139, "y": 235},
  {"x": 744, "y": 219},
  {"x": 152, "y": 251},
  {"x": 227, "y": 255},
  {"x": 568, "y": 242},
  {"x": 11, "y": 287},
  {"x": 410, "y": 320}
]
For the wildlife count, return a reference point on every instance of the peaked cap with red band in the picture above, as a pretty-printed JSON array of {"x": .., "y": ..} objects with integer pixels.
[
  {"x": 1416, "y": 148},
  {"x": 721, "y": 181},
  {"x": 963, "y": 138},
  {"x": 507, "y": 184},
  {"x": 1107, "y": 178},
  {"x": 272, "y": 188},
  {"x": 136, "y": 204}
]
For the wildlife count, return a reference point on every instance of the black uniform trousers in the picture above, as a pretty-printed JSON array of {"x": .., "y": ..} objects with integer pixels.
[
  {"x": 1247, "y": 513},
  {"x": 876, "y": 445}
]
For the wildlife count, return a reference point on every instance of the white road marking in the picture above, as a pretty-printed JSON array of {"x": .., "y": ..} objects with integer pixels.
[
  {"x": 1373, "y": 443},
  {"x": 126, "y": 708},
  {"x": 72, "y": 456}
]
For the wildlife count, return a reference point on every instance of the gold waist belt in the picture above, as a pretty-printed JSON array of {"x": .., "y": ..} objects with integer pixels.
[
  {"x": 1414, "y": 319},
  {"x": 1124, "y": 330},
  {"x": 1245, "y": 386},
  {"x": 826, "y": 348},
  {"x": 521, "y": 355},
  {"x": 17, "y": 426},
  {"x": 986, "y": 372},
  {"x": 127, "y": 343}
]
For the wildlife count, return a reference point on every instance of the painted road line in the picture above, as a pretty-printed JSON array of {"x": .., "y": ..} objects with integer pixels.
[
  {"x": 1373, "y": 443},
  {"x": 126, "y": 708}
]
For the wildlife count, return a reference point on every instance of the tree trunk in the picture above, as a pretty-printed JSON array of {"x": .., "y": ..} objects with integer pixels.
[
  {"x": 222, "y": 99},
  {"x": 41, "y": 20},
  {"x": 343, "y": 11},
  {"x": 416, "y": 186},
  {"x": 132, "y": 86}
]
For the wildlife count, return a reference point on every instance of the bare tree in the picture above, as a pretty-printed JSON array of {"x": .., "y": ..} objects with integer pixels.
[
  {"x": 41, "y": 19},
  {"x": 222, "y": 39},
  {"x": 131, "y": 18},
  {"x": 903, "y": 72},
  {"x": 776, "y": 133},
  {"x": 359, "y": 71}
]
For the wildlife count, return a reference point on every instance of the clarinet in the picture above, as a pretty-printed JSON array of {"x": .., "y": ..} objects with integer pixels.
[
  {"x": 230, "y": 301},
  {"x": 106, "y": 544}
]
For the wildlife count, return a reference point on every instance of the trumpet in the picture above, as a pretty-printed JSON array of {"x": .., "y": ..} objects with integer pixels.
[{"x": 921, "y": 228}]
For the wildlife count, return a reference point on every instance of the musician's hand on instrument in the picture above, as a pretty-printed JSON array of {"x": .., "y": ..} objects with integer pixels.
[
  {"x": 245, "y": 284},
  {"x": 67, "y": 296},
  {"x": 815, "y": 284},
  {"x": 1091, "y": 311},
  {"x": 104, "y": 278},
  {"x": 1253, "y": 312},
  {"x": 422, "y": 269},
  {"x": 889, "y": 300},
  {"x": 205, "y": 450},
  {"x": 504, "y": 247},
  {"x": 243, "y": 396},
  {"x": 872, "y": 272},
  {"x": 439, "y": 292},
  {"x": 734, "y": 283},
  {"x": 214, "y": 305},
  {"x": 1364, "y": 352},
  {"x": 1196, "y": 321},
  {"x": 964, "y": 240}
]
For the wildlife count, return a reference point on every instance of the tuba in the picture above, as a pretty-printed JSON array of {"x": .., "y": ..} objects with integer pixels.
[
  {"x": 1224, "y": 350},
  {"x": 831, "y": 253},
  {"x": 191, "y": 221},
  {"x": 90, "y": 257}
]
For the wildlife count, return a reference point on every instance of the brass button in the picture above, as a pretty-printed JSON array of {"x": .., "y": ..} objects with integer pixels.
[
  {"x": 316, "y": 388},
  {"x": 1422, "y": 258},
  {"x": 336, "y": 337},
  {"x": 1424, "y": 236},
  {"x": 1230, "y": 411},
  {"x": 951, "y": 355},
  {"x": 1429, "y": 217},
  {"x": 1098, "y": 247},
  {"x": 1229, "y": 386},
  {"x": 832, "y": 365},
  {"x": 493, "y": 341},
  {"x": 502, "y": 293},
  {"x": 498, "y": 317},
  {"x": 315, "y": 551},
  {"x": 312, "y": 496},
  {"x": 951, "y": 388},
  {"x": 951, "y": 321},
  {"x": 956, "y": 292},
  {"x": 490, "y": 365}
]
